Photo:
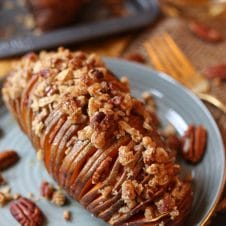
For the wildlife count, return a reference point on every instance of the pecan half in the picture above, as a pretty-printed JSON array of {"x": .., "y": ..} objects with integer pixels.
[
  {"x": 116, "y": 100},
  {"x": 194, "y": 143},
  {"x": 137, "y": 57},
  {"x": 47, "y": 190},
  {"x": 26, "y": 212},
  {"x": 97, "y": 119},
  {"x": 101, "y": 169},
  {"x": 217, "y": 71},
  {"x": 96, "y": 74},
  {"x": 204, "y": 32},
  {"x": 8, "y": 158}
]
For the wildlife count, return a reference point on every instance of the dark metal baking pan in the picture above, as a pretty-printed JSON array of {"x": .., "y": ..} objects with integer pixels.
[{"x": 140, "y": 13}]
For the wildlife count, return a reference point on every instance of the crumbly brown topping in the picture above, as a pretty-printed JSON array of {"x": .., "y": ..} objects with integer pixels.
[
  {"x": 106, "y": 191},
  {"x": 149, "y": 213},
  {"x": 126, "y": 155},
  {"x": 129, "y": 193}
]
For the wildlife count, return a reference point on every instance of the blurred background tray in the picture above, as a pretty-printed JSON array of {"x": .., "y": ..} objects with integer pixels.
[{"x": 18, "y": 33}]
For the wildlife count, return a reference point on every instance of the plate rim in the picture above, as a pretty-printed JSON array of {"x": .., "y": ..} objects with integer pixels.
[{"x": 190, "y": 94}]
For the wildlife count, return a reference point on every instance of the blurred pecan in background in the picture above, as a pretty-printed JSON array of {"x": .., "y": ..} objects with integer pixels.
[
  {"x": 216, "y": 72},
  {"x": 204, "y": 32}
]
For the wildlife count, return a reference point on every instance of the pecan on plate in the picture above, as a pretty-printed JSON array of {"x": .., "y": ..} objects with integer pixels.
[
  {"x": 8, "y": 158},
  {"x": 194, "y": 143},
  {"x": 47, "y": 190},
  {"x": 26, "y": 212}
]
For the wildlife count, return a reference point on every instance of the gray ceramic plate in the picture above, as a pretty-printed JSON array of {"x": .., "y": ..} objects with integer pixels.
[{"x": 175, "y": 105}]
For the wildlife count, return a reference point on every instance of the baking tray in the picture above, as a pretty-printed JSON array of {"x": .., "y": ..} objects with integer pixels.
[{"x": 18, "y": 36}]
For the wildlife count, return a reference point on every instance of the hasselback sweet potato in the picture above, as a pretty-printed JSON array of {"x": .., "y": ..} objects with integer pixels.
[{"x": 99, "y": 143}]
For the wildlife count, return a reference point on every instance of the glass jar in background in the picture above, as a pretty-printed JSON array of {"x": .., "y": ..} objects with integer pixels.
[{"x": 202, "y": 10}]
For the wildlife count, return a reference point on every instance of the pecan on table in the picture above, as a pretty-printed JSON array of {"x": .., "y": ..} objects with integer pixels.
[
  {"x": 26, "y": 212},
  {"x": 194, "y": 143},
  {"x": 137, "y": 57},
  {"x": 216, "y": 72},
  {"x": 205, "y": 32}
]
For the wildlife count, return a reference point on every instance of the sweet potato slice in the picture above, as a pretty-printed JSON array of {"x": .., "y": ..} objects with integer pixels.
[
  {"x": 60, "y": 153},
  {"x": 87, "y": 172},
  {"x": 49, "y": 139},
  {"x": 55, "y": 143},
  {"x": 25, "y": 101},
  {"x": 94, "y": 193},
  {"x": 64, "y": 171}
]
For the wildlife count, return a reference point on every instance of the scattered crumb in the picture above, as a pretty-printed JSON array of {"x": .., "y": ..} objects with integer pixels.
[
  {"x": 59, "y": 198},
  {"x": 3, "y": 199},
  {"x": 149, "y": 101},
  {"x": 5, "y": 196},
  {"x": 145, "y": 95},
  {"x": 67, "y": 215},
  {"x": 16, "y": 196},
  {"x": 39, "y": 155},
  {"x": 6, "y": 189},
  {"x": 169, "y": 130},
  {"x": 124, "y": 79}
]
